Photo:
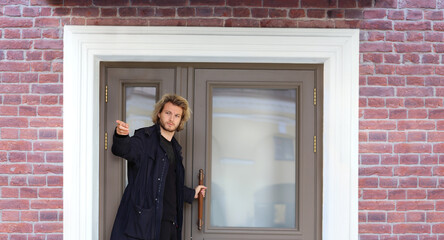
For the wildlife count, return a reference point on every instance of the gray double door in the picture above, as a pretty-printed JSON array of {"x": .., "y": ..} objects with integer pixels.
[{"x": 254, "y": 131}]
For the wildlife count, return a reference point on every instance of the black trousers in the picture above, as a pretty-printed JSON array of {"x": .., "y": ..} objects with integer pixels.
[{"x": 168, "y": 230}]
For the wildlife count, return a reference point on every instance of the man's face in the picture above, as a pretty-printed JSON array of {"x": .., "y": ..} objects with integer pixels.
[{"x": 170, "y": 117}]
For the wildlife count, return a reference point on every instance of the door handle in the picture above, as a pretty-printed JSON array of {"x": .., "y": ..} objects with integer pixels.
[{"x": 200, "y": 202}]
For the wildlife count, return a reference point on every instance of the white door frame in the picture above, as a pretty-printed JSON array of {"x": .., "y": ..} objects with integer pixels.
[{"x": 86, "y": 46}]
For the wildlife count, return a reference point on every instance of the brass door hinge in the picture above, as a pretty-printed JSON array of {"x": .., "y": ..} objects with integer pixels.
[
  {"x": 314, "y": 144},
  {"x": 314, "y": 96},
  {"x": 106, "y": 93},
  {"x": 106, "y": 141}
]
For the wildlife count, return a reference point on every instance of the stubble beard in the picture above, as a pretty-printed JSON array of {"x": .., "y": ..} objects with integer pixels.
[{"x": 162, "y": 125}]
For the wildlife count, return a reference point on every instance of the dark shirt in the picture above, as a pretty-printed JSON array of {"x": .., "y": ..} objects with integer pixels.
[{"x": 169, "y": 195}]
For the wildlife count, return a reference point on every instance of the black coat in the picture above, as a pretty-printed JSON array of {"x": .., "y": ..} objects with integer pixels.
[{"x": 140, "y": 211}]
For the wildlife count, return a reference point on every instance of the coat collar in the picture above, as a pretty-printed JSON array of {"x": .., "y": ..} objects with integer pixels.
[{"x": 155, "y": 129}]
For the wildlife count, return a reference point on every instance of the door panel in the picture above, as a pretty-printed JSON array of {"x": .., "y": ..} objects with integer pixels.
[
  {"x": 132, "y": 93},
  {"x": 251, "y": 132},
  {"x": 254, "y": 142}
]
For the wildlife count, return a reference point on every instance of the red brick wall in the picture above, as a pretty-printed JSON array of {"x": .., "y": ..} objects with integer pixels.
[{"x": 401, "y": 100}]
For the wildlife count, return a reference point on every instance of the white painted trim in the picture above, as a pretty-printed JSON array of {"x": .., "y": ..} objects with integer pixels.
[{"x": 86, "y": 46}]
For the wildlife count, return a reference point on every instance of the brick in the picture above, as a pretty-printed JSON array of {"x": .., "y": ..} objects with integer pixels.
[
  {"x": 377, "y": 91},
  {"x": 48, "y": 44},
  {"x": 418, "y": 4},
  {"x": 11, "y": 216},
  {"x": 49, "y": 215},
  {"x": 316, "y": 13},
  {"x": 16, "y": 227},
  {"x": 9, "y": 192},
  {"x": 414, "y": 15},
  {"x": 376, "y": 102},
  {"x": 375, "y": 14},
  {"x": 435, "y": 217},
  {"x": 374, "y": 194},
  {"x": 414, "y": 102},
  {"x": 11, "y": 100},
  {"x": 385, "y": 69},
  {"x": 30, "y": 216},
  {"x": 294, "y": 13},
  {"x": 394, "y": 102},
  {"x": 415, "y": 37},
  {"x": 411, "y": 182},
  {"x": 376, "y": 25},
  {"x": 376, "y": 205},
  {"x": 27, "y": 111},
  {"x": 375, "y": 148},
  {"x": 227, "y": 12},
  {"x": 88, "y": 12},
  {"x": 49, "y": 100},
  {"x": 55, "y": 181},
  {"x": 415, "y": 92},
  {"x": 15, "y": 145},
  {"x": 285, "y": 23},
  {"x": 416, "y": 137},
  {"x": 377, "y": 171},
  {"x": 275, "y": 13},
  {"x": 237, "y": 12},
  {"x": 48, "y": 227},
  {"x": 252, "y": 3},
  {"x": 438, "y": 148},
  {"x": 416, "y": 81},
  {"x": 412, "y": 47},
  {"x": 397, "y": 194},
  {"x": 54, "y": 157},
  {"x": 416, "y": 194},
  {"x": 366, "y": 69},
  {"x": 28, "y": 193},
  {"x": 47, "y": 134},
  {"x": 374, "y": 228},
  {"x": 51, "y": 193},
  {"x": 373, "y": 57},
  {"x": 17, "y": 157},
  {"x": 395, "y": 217},
  {"x": 377, "y": 125},
  {"x": 47, "y": 169},
  {"x": 205, "y": 22},
  {"x": 9, "y": 133},
  {"x": 314, "y": 3},
  {"x": 438, "y": 171},
  {"x": 412, "y": 205},
  {"x": 397, "y": 114},
  {"x": 377, "y": 136},
  {"x": 438, "y": 228},
  {"x": 51, "y": 33},
  {"x": 411, "y": 228},
  {"x": 46, "y": 122},
  {"x": 392, "y": 58},
  {"x": 28, "y": 134},
  {"x": 412, "y": 170},
  {"x": 37, "y": 180},
  {"x": 375, "y": 113},
  {"x": 18, "y": 181},
  {"x": 428, "y": 160},
  {"x": 427, "y": 182},
  {"x": 123, "y": 12},
  {"x": 389, "y": 159},
  {"x": 409, "y": 159},
  {"x": 111, "y": 12},
  {"x": 375, "y": 47},
  {"x": 371, "y": 182},
  {"x": 35, "y": 157},
  {"x": 186, "y": 12},
  {"x": 14, "y": 204},
  {"x": 433, "y": 15},
  {"x": 415, "y": 217},
  {"x": 436, "y": 114},
  {"x": 434, "y": 37},
  {"x": 46, "y": 204}
]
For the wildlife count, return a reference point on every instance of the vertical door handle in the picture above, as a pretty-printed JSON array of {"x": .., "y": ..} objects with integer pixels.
[{"x": 200, "y": 202}]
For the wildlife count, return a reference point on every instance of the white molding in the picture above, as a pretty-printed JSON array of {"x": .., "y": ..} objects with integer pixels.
[{"x": 86, "y": 46}]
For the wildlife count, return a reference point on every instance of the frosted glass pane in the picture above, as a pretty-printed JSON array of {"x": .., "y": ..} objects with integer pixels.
[
  {"x": 139, "y": 106},
  {"x": 253, "y": 162}
]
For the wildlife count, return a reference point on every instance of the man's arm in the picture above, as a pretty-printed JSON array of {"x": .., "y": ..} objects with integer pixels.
[{"x": 124, "y": 146}]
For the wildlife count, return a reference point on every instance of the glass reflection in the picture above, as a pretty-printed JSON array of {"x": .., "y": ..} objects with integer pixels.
[
  {"x": 139, "y": 106},
  {"x": 253, "y": 158}
]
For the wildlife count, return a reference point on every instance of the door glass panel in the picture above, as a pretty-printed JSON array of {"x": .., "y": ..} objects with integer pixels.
[
  {"x": 139, "y": 106},
  {"x": 254, "y": 158}
]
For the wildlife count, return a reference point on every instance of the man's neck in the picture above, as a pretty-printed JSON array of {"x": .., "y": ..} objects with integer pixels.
[{"x": 166, "y": 134}]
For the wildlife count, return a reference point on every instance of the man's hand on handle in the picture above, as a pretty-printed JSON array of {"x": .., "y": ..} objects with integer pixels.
[
  {"x": 122, "y": 128},
  {"x": 200, "y": 188}
]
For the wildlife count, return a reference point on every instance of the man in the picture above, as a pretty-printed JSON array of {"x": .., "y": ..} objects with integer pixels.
[{"x": 152, "y": 204}]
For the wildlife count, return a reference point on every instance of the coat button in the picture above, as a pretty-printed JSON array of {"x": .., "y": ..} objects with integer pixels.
[
  {"x": 158, "y": 179},
  {"x": 140, "y": 212},
  {"x": 155, "y": 199}
]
